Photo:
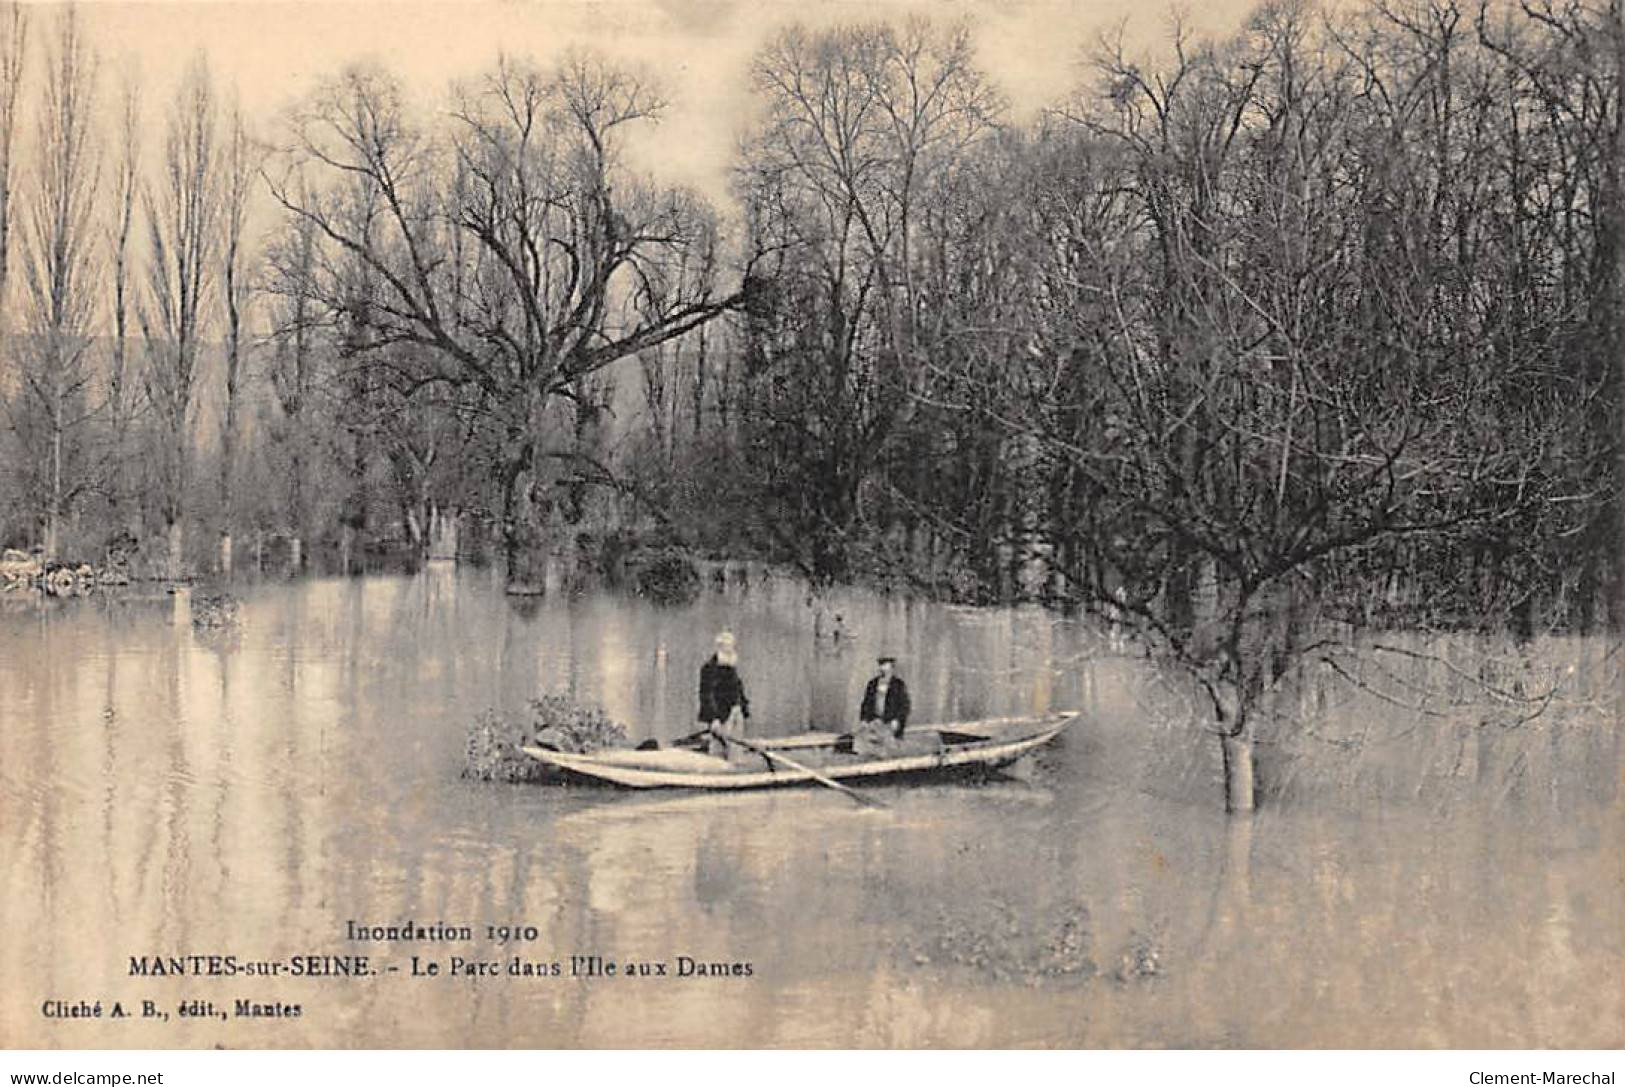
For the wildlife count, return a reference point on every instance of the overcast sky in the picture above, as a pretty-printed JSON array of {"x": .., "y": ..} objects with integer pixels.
[{"x": 698, "y": 49}]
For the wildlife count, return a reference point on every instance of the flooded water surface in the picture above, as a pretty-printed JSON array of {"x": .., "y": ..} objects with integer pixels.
[{"x": 166, "y": 792}]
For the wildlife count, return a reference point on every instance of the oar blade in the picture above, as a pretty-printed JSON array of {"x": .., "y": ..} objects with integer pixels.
[{"x": 821, "y": 778}]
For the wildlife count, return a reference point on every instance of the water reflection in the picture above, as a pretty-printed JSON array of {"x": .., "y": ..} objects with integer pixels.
[{"x": 165, "y": 791}]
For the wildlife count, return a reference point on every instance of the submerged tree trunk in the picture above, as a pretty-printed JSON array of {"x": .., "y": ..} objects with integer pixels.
[
  {"x": 415, "y": 535},
  {"x": 527, "y": 569},
  {"x": 527, "y": 560},
  {"x": 443, "y": 532},
  {"x": 523, "y": 544},
  {"x": 296, "y": 504},
  {"x": 177, "y": 538},
  {"x": 53, "y": 526},
  {"x": 1240, "y": 794}
]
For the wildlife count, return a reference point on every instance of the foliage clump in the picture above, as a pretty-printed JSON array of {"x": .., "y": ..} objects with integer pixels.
[
  {"x": 216, "y": 612},
  {"x": 1009, "y": 947},
  {"x": 494, "y": 748},
  {"x": 556, "y": 721}
]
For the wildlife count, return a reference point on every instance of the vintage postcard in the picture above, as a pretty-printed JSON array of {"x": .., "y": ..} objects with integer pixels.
[{"x": 694, "y": 524}]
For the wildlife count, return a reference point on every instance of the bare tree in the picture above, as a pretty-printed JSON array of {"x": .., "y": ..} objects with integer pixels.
[
  {"x": 1563, "y": 235},
  {"x": 121, "y": 399},
  {"x": 182, "y": 213},
  {"x": 62, "y": 270},
  {"x": 1272, "y": 368},
  {"x": 296, "y": 326},
  {"x": 241, "y": 165},
  {"x": 661, "y": 367},
  {"x": 861, "y": 124},
  {"x": 555, "y": 240}
]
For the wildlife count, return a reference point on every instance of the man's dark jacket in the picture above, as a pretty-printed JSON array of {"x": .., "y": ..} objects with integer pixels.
[
  {"x": 721, "y": 690},
  {"x": 896, "y": 707}
]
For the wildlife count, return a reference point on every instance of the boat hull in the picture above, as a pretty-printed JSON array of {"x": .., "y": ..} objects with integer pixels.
[{"x": 681, "y": 769}]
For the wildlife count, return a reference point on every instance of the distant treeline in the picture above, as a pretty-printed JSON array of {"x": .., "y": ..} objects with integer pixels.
[{"x": 1321, "y": 319}]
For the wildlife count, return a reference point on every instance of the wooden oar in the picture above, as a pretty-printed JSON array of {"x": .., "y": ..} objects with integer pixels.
[{"x": 822, "y": 779}]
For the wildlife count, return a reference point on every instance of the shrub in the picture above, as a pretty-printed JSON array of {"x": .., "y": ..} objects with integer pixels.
[
  {"x": 669, "y": 577},
  {"x": 215, "y": 611},
  {"x": 558, "y": 722},
  {"x": 495, "y": 740}
]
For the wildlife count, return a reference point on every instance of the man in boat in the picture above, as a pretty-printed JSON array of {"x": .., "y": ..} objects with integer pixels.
[
  {"x": 884, "y": 713},
  {"x": 723, "y": 705}
]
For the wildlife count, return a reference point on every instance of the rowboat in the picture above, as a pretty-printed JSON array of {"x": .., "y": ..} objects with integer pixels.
[{"x": 990, "y": 743}]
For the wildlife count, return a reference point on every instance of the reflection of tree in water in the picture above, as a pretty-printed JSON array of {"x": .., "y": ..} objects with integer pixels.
[
  {"x": 829, "y": 671},
  {"x": 1483, "y": 918}
]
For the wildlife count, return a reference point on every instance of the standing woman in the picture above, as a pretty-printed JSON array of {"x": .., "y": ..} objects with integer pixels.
[{"x": 723, "y": 705}]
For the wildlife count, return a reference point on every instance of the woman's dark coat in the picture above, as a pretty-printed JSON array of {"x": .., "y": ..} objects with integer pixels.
[{"x": 721, "y": 690}]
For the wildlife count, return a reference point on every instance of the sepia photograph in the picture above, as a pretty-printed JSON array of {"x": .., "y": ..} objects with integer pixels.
[{"x": 689, "y": 524}]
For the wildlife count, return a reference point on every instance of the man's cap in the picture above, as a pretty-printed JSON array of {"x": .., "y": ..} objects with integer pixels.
[
  {"x": 726, "y": 639},
  {"x": 886, "y": 658}
]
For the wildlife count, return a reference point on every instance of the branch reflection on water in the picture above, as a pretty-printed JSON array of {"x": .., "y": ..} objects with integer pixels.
[{"x": 169, "y": 792}]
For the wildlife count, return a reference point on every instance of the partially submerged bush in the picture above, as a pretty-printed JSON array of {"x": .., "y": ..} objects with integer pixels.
[
  {"x": 1011, "y": 946},
  {"x": 494, "y": 751},
  {"x": 216, "y": 611},
  {"x": 20, "y": 570},
  {"x": 669, "y": 577},
  {"x": 966, "y": 586},
  {"x": 558, "y": 722}
]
